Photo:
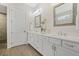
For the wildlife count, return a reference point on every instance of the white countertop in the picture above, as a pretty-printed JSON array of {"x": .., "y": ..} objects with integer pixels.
[{"x": 68, "y": 38}]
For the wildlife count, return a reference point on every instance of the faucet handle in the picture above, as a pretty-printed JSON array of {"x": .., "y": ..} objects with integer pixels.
[
  {"x": 64, "y": 34},
  {"x": 60, "y": 33}
]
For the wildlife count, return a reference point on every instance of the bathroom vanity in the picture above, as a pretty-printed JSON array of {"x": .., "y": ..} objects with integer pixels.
[{"x": 54, "y": 45}]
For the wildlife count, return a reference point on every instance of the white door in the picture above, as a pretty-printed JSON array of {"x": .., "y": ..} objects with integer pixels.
[{"x": 18, "y": 27}]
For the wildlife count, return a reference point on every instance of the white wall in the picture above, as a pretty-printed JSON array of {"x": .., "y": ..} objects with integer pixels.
[
  {"x": 71, "y": 30},
  {"x": 47, "y": 13}
]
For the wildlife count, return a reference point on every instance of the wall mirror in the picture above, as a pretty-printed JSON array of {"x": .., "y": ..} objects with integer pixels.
[
  {"x": 65, "y": 14},
  {"x": 38, "y": 21}
]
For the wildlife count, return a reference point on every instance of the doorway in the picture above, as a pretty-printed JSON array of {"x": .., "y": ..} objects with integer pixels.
[{"x": 3, "y": 27}]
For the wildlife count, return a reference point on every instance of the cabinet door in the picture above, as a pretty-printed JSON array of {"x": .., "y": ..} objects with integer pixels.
[
  {"x": 60, "y": 51},
  {"x": 35, "y": 39},
  {"x": 48, "y": 48},
  {"x": 39, "y": 42},
  {"x": 30, "y": 38}
]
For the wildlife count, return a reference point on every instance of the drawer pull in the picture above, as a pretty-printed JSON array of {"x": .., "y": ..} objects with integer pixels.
[
  {"x": 53, "y": 47},
  {"x": 69, "y": 45}
]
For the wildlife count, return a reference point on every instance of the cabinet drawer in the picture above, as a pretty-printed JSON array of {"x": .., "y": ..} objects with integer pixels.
[
  {"x": 71, "y": 45},
  {"x": 55, "y": 41},
  {"x": 65, "y": 52}
]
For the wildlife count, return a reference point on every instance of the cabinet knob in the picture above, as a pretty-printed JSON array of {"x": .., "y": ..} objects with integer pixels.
[
  {"x": 55, "y": 48},
  {"x": 69, "y": 45},
  {"x": 24, "y": 31}
]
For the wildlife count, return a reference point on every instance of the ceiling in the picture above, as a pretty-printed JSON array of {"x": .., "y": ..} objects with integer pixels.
[{"x": 33, "y": 5}]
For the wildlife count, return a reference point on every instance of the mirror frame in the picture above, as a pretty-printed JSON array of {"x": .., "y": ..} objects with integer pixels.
[
  {"x": 36, "y": 25},
  {"x": 74, "y": 15}
]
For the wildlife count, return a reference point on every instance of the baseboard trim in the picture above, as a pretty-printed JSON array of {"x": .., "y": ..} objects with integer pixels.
[
  {"x": 13, "y": 44},
  {"x": 36, "y": 49}
]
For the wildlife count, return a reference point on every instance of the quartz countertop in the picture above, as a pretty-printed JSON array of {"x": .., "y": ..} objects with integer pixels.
[{"x": 66, "y": 37}]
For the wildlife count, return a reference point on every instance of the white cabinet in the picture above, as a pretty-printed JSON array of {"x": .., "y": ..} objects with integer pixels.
[
  {"x": 71, "y": 45},
  {"x": 39, "y": 42},
  {"x": 61, "y": 51},
  {"x": 36, "y": 41},
  {"x": 30, "y": 38},
  {"x": 48, "y": 47},
  {"x": 68, "y": 49}
]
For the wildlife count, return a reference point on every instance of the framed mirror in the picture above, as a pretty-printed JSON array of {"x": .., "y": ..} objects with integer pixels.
[
  {"x": 65, "y": 14},
  {"x": 38, "y": 21}
]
